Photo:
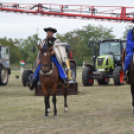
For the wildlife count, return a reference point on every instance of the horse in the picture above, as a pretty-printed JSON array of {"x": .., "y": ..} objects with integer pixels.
[
  {"x": 50, "y": 81},
  {"x": 130, "y": 74},
  {"x": 131, "y": 78}
]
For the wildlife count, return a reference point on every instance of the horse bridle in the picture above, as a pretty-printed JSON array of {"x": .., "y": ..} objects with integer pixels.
[{"x": 47, "y": 65}]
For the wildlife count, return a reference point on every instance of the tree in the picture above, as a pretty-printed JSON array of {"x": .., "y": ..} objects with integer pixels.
[
  {"x": 26, "y": 48},
  {"x": 21, "y": 49},
  {"x": 15, "y": 55},
  {"x": 78, "y": 40},
  {"x": 128, "y": 28}
]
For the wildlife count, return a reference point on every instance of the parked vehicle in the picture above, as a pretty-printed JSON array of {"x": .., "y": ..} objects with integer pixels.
[
  {"x": 5, "y": 70},
  {"x": 107, "y": 65}
]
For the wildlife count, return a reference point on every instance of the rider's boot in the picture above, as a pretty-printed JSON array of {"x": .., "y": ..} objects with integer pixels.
[
  {"x": 126, "y": 77},
  {"x": 32, "y": 84},
  {"x": 65, "y": 82}
]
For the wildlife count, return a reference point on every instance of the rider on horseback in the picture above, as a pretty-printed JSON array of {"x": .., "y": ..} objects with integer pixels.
[
  {"x": 129, "y": 53},
  {"x": 48, "y": 42}
]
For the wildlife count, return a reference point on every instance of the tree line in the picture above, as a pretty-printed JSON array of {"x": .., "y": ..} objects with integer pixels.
[{"x": 22, "y": 49}]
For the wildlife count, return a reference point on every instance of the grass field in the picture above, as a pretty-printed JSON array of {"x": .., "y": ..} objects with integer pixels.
[{"x": 95, "y": 110}]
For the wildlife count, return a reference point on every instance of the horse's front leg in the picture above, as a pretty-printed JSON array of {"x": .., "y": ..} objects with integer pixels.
[
  {"x": 46, "y": 100},
  {"x": 54, "y": 103},
  {"x": 132, "y": 92},
  {"x": 54, "y": 99},
  {"x": 48, "y": 104}
]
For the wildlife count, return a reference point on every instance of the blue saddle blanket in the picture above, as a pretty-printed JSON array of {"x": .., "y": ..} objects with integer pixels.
[{"x": 59, "y": 67}]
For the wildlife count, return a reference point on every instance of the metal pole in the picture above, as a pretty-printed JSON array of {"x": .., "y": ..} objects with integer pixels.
[{"x": 94, "y": 55}]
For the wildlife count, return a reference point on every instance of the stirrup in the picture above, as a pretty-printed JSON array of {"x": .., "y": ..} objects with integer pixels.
[
  {"x": 29, "y": 84},
  {"x": 66, "y": 85},
  {"x": 126, "y": 79}
]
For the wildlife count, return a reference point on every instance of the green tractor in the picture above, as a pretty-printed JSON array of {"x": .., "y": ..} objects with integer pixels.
[{"x": 108, "y": 63}]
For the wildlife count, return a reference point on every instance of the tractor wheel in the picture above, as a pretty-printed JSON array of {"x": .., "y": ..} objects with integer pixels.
[
  {"x": 118, "y": 74},
  {"x": 27, "y": 76},
  {"x": 87, "y": 71},
  {"x": 3, "y": 76},
  {"x": 104, "y": 81},
  {"x": 73, "y": 71}
]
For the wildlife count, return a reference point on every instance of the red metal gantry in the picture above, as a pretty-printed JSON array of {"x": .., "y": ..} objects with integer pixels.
[{"x": 113, "y": 13}]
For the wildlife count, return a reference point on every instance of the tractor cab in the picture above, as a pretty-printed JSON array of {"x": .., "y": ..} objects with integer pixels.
[
  {"x": 110, "y": 54},
  {"x": 4, "y": 56},
  {"x": 107, "y": 62}
]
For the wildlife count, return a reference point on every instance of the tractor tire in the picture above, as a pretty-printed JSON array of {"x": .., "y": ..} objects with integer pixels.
[
  {"x": 26, "y": 76},
  {"x": 104, "y": 81},
  {"x": 118, "y": 75},
  {"x": 73, "y": 71},
  {"x": 86, "y": 72},
  {"x": 3, "y": 76}
]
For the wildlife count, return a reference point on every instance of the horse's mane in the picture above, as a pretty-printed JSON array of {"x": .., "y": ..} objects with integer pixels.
[{"x": 46, "y": 48}]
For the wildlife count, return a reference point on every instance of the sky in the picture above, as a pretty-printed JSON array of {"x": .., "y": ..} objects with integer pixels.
[{"x": 22, "y": 25}]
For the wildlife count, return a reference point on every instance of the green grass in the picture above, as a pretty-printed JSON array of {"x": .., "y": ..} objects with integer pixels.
[{"x": 95, "y": 110}]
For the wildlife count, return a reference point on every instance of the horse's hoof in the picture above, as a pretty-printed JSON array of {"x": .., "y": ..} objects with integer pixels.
[
  {"x": 55, "y": 115},
  {"x": 133, "y": 112},
  {"x": 65, "y": 109},
  {"x": 48, "y": 110},
  {"x": 45, "y": 116}
]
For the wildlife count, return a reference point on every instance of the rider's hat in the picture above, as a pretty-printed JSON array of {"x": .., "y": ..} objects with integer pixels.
[{"x": 50, "y": 29}]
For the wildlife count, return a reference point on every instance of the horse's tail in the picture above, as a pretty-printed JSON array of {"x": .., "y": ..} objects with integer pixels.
[
  {"x": 133, "y": 65},
  {"x": 123, "y": 56}
]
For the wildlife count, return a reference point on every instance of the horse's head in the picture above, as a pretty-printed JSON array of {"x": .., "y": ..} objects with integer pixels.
[{"x": 45, "y": 57}]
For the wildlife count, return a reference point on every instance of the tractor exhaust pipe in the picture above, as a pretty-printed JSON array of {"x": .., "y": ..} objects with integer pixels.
[
  {"x": 94, "y": 55},
  {"x": 94, "y": 51}
]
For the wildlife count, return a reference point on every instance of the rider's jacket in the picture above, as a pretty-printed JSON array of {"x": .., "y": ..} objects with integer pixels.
[
  {"x": 48, "y": 42},
  {"x": 129, "y": 50},
  {"x": 130, "y": 42}
]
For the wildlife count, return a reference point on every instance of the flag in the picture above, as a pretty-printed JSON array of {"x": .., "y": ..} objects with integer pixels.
[{"x": 22, "y": 62}]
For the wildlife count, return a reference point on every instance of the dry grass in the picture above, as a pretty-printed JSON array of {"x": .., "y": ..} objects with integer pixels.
[{"x": 95, "y": 110}]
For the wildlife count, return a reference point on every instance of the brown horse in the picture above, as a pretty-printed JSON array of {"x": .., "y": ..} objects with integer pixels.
[
  {"x": 132, "y": 80},
  {"x": 50, "y": 81}
]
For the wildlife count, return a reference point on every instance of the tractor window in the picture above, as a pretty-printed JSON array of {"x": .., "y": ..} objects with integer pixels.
[
  {"x": 110, "y": 46},
  {"x": 5, "y": 53},
  {"x": 124, "y": 45}
]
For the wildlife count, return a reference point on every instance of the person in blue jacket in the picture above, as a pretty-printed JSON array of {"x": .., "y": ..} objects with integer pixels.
[
  {"x": 49, "y": 41},
  {"x": 129, "y": 53}
]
